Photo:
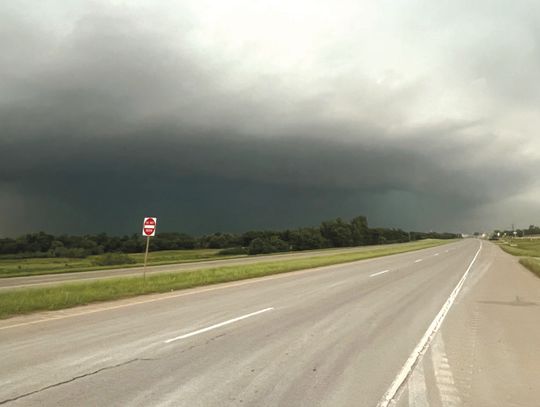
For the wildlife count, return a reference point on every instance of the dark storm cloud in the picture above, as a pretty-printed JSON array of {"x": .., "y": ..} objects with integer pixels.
[{"x": 117, "y": 118}]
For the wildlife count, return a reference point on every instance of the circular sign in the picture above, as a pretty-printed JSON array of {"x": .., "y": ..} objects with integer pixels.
[{"x": 149, "y": 226}]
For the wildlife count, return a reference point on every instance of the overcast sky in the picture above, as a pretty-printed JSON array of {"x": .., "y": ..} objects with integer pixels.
[{"x": 233, "y": 115}]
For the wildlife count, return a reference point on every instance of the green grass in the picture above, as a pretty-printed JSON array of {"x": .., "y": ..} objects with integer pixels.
[
  {"x": 527, "y": 249},
  {"x": 521, "y": 247},
  {"x": 29, "y": 267},
  {"x": 26, "y": 300},
  {"x": 532, "y": 264}
]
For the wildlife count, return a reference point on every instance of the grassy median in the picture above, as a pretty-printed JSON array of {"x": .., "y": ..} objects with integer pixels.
[
  {"x": 26, "y": 300},
  {"x": 30, "y": 267}
]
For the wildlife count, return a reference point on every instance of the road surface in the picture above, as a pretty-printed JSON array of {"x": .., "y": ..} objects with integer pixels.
[{"x": 333, "y": 336}]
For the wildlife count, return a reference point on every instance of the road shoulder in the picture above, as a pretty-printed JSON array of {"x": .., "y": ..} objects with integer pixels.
[{"x": 486, "y": 353}]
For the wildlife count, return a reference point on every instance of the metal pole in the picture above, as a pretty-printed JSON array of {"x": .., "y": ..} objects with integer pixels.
[{"x": 146, "y": 256}]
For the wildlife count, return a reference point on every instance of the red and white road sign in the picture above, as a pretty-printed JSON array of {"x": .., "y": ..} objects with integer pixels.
[{"x": 149, "y": 227}]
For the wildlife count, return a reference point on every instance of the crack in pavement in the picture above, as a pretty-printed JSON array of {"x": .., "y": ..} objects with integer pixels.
[
  {"x": 75, "y": 378},
  {"x": 517, "y": 303}
]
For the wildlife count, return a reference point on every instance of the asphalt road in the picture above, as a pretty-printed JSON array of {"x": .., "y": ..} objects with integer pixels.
[
  {"x": 334, "y": 336},
  {"x": 60, "y": 278}
]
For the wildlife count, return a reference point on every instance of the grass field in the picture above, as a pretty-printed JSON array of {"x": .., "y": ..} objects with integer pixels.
[
  {"x": 532, "y": 264},
  {"x": 28, "y": 267},
  {"x": 527, "y": 249},
  {"x": 23, "y": 301}
]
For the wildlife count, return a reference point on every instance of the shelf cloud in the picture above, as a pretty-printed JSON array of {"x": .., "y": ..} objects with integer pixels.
[{"x": 256, "y": 114}]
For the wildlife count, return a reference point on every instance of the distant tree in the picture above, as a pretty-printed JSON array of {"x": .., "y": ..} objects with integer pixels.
[
  {"x": 247, "y": 237},
  {"x": 337, "y": 232},
  {"x": 133, "y": 245},
  {"x": 279, "y": 245},
  {"x": 533, "y": 230},
  {"x": 264, "y": 246},
  {"x": 359, "y": 231},
  {"x": 259, "y": 246},
  {"x": 306, "y": 239},
  {"x": 331, "y": 233},
  {"x": 8, "y": 246},
  {"x": 392, "y": 236},
  {"x": 220, "y": 241},
  {"x": 56, "y": 248}
]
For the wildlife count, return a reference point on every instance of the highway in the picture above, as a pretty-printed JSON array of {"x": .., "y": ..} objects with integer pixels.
[{"x": 334, "y": 336}]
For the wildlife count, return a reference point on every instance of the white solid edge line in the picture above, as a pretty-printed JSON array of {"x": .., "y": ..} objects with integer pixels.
[
  {"x": 422, "y": 346},
  {"x": 379, "y": 273},
  {"x": 209, "y": 328}
]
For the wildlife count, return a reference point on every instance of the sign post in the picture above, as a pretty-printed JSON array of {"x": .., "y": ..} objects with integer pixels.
[{"x": 149, "y": 230}]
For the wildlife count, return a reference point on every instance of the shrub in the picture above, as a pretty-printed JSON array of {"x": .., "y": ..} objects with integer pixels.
[
  {"x": 265, "y": 246},
  {"x": 233, "y": 251},
  {"x": 112, "y": 259}
]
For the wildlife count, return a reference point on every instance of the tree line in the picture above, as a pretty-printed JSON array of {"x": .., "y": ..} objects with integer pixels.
[
  {"x": 531, "y": 231},
  {"x": 330, "y": 233}
]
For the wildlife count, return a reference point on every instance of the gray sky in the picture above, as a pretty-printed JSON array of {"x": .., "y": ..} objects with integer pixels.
[{"x": 233, "y": 115}]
